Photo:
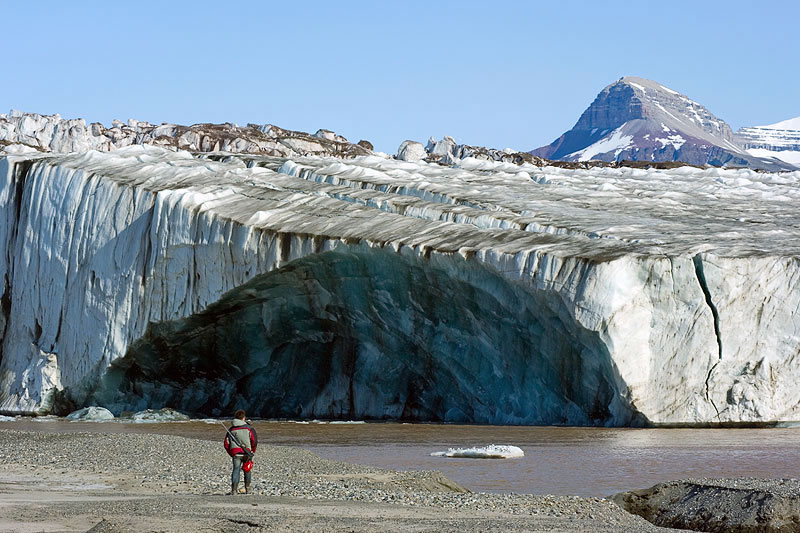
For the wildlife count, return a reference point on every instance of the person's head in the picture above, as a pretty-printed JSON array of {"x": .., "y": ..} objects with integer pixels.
[{"x": 239, "y": 414}]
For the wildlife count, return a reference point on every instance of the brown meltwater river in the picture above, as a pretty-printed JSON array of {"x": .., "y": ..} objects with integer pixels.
[{"x": 558, "y": 460}]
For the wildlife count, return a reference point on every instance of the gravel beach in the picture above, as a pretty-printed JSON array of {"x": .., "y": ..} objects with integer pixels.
[{"x": 145, "y": 482}]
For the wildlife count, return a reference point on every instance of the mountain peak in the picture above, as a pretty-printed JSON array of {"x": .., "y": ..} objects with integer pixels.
[
  {"x": 642, "y": 120},
  {"x": 633, "y": 98}
]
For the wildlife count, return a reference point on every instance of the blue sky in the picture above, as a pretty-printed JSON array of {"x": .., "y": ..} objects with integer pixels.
[{"x": 500, "y": 74}]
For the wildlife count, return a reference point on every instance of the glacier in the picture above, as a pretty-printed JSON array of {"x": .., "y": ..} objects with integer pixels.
[
  {"x": 374, "y": 288},
  {"x": 779, "y": 141}
]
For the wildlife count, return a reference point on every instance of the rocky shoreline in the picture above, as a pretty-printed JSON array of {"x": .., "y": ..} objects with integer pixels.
[{"x": 113, "y": 482}]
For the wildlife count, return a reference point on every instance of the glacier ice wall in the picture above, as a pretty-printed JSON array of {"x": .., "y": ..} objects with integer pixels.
[
  {"x": 371, "y": 333},
  {"x": 312, "y": 287}
]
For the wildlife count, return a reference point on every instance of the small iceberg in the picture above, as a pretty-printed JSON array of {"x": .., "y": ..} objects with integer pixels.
[
  {"x": 329, "y": 422},
  {"x": 4, "y": 418},
  {"x": 493, "y": 451},
  {"x": 159, "y": 415},
  {"x": 46, "y": 418},
  {"x": 91, "y": 414}
]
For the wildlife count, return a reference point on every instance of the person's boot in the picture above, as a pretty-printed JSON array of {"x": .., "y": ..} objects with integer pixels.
[
  {"x": 247, "y": 488},
  {"x": 234, "y": 488}
]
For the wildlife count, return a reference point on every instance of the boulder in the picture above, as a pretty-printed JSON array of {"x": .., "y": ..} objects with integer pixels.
[{"x": 741, "y": 505}]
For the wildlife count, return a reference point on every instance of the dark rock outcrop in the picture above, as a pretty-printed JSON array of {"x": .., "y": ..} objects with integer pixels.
[{"x": 719, "y": 505}]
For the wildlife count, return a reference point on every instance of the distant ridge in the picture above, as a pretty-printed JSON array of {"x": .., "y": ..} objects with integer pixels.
[
  {"x": 779, "y": 141},
  {"x": 791, "y": 124}
]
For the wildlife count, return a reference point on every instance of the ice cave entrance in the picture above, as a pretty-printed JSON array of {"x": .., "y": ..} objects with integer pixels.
[{"x": 377, "y": 335}]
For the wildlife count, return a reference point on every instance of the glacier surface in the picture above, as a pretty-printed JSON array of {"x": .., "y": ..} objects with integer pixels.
[{"x": 313, "y": 287}]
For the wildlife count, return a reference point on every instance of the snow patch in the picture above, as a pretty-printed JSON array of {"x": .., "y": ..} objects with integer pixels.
[
  {"x": 664, "y": 109},
  {"x": 638, "y": 87},
  {"x": 616, "y": 143},
  {"x": 675, "y": 140},
  {"x": 791, "y": 124},
  {"x": 787, "y": 156}
]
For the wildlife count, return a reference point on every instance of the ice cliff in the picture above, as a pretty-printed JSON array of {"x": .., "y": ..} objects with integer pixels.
[{"x": 370, "y": 288}]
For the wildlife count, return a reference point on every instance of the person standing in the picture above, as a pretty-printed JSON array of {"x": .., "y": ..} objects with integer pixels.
[{"x": 244, "y": 435}]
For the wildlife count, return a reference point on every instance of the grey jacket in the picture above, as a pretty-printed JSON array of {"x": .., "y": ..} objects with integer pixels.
[{"x": 245, "y": 434}]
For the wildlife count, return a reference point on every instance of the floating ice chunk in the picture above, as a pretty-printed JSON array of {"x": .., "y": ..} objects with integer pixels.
[
  {"x": 161, "y": 415},
  {"x": 46, "y": 418},
  {"x": 493, "y": 451},
  {"x": 340, "y": 422},
  {"x": 4, "y": 418},
  {"x": 91, "y": 414}
]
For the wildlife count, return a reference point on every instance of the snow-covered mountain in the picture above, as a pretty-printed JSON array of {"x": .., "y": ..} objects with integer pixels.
[
  {"x": 640, "y": 120},
  {"x": 378, "y": 288},
  {"x": 779, "y": 141}
]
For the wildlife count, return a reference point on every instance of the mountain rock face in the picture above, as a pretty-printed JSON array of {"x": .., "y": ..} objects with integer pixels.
[
  {"x": 779, "y": 141},
  {"x": 640, "y": 120},
  {"x": 51, "y": 133},
  {"x": 373, "y": 288}
]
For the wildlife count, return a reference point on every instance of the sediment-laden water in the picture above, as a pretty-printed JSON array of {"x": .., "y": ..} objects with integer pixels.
[{"x": 558, "y": 460}]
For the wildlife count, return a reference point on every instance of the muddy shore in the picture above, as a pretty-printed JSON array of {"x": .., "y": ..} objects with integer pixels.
[{"x": 138, "y": 482}]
